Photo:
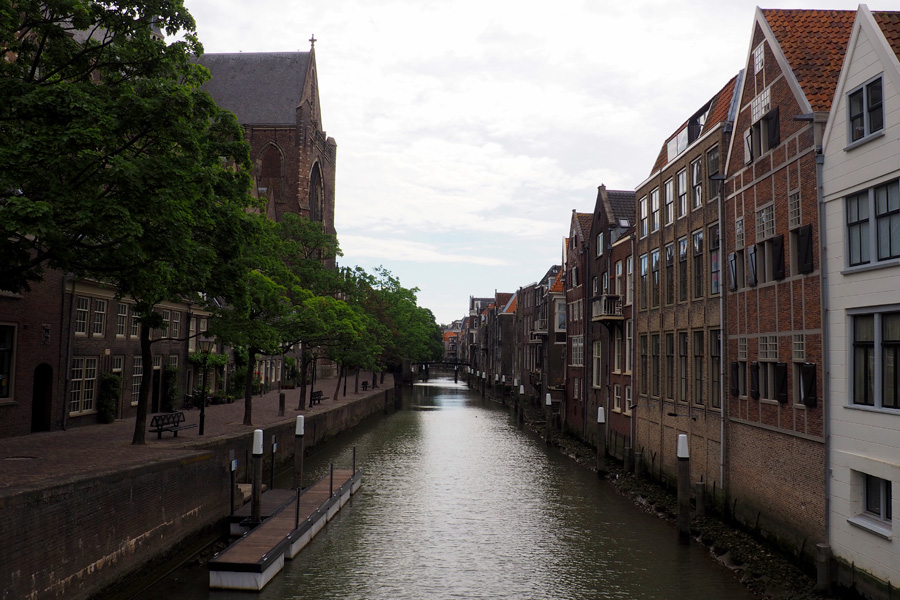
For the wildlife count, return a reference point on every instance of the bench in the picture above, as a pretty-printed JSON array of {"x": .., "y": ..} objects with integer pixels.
[
  {"x": 168, "y": 422},
  {"x": 316, "y": 398},
  {"x": 365, "y": 385}
]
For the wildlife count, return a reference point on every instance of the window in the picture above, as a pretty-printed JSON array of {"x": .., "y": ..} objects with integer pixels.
[
  {"x": 739, "y": 233},
  {"x": 83, "y": 385},
  {"x": 629, "y": 339},
  {"x": 878, "y": 498},
  {"x": 739, "y": 370},
  {"x": 715, "y": 367},
  {"x": 617, "y": 397},
  {"x": 643, "y": 281},
  {"x": 682, "y": 366},
  {"x": 7, "y": 354},
  {"x": 884, "y": 202},
  {"x": 654, "y": 283},
  {"x": 166, "y": 319},
  {"x": 697, "y": 183},
  {"x": 643, "y": 217},
  {"x": 670, "y": 202},
  {"x": 137, "y": 375},
  {"x": 866, "y": 112},
  {"x": 99, "y": 318},
  {"x": 173, "y": 361},
  {"x": 135, "y": 324},
  {"x": 629, "y": 279},
  {"x": 619, "y": 278},
  {"x": 681, "y": 179},
  {"x": 759, "y": 58},
  {"x": 670, "y": 274},
  {"x": 175, "y": 324},
  {"x": 192, "y": 334},
  {"x": 82, "y": 306},
  {"x": 770, "y": 376},
  {"x": 598, "y": 369},
  {"x": 698, "y": 263},
  {"x": 118, "y": 363},
  {"x": 670, "y": 366},
  {"x": 767, "y": 258},
  {"x": 560, "y": 316},
  {"x": 654, "y": 365},
  {"x": 617, "y": 350},
  {"x": 698, "y": 367},
  {"x": 654, "y": 210},
  {"x": 794, "y": 210},
  {"x": 628, "y": 400},
  {"x": 604, "y": 283},
  {"x": 765, "y": 222},
  {"x": 644, "y": 366},
  {"x": 577, "y": 351},
  {"x": 595, "y": 285},
  {"x": 712, "y": 171},
  {"x": 765, "y": 132},
  {"x": 714, "y": 259},
  {"x": 600, "y": 244},
  {"x": 121, "y": 320},
  {"x": 677, "y": 144},
  {"x": 876, "y": 360},
  {"x": 682, "y": 269}
]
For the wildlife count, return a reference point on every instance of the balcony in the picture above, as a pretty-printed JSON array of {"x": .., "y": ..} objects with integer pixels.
[
  {"x": 540, "y": 326},
  {"x": 607, "y": 308}
]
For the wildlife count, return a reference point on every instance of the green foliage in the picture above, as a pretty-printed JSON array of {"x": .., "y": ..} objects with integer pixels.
[
  {"x": 170, "y": 388},
  {"x": 212, "y": 360},
  {"x": 108, "y": 397}
]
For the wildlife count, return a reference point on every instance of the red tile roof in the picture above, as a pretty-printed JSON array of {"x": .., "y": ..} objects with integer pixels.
[
  {"x": 557, "y": 283},
  {"x": 890, "y": 27},
  {"x": 719, "y": 105},
  {"x": 585, "y": 220},
  {"x": 511, "y": 308},
  {"x": 813, "y": 42}
]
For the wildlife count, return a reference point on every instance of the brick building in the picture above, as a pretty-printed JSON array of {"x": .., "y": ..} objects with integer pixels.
[
  {"x": 531, "y": 328},
  {"x": 678, "y": 322},
  {"x": 775, "y": 455},
  {"x": 575, "y": 269},
  {"x": 609, "y": 310}
]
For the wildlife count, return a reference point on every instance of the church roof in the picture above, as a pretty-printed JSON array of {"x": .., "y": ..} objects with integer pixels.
[{"x": 261, "y": 88}]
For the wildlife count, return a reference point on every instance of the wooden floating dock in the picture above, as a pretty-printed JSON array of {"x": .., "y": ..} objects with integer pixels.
[{"x": 252, "y": 561}]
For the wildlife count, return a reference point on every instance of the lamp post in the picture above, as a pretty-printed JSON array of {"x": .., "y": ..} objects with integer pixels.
[{"x": 206, "y": 347}]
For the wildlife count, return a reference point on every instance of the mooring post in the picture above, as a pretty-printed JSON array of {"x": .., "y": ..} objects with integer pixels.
[
  {"x": 823, "y": 568},
  {"x": 549, "y": 404},
  {"x": 298, "y": 464},
  {"x": 280, "y": 404},
  {"x": 331, "y": 480},
  {"x": 684, "y": 490},
  {"x": 256, "y": 492},
  {"x": 354, "y": 460},
  {"x": 520, "y": 403},
  {"x": 601, "y": 442},
  {"x": 456, "y": 375},
  {"x": 272, "y": 474},
  {"x": 232, "y": 466}
]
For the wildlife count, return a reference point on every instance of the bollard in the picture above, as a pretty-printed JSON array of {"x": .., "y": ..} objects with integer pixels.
[
  {"x": 549, "y": 404},
  {"x": 272, "y": 474},
  {"x": 823, "y": 568},
  {"x": 684, "y": 490},
  {"x": 601, "y": 442},
  {"x": 331, "y": 480},
  {"x": 281, "y": 404},
  {"x": 232, "y": 464},
  {"x": 354, "y": 459},
  {"x": 298, "y": 464},
  {"x": 256, "y": 492}
]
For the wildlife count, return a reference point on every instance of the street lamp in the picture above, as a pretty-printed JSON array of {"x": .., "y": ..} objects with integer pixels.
[{"x": 206, "y": 347}]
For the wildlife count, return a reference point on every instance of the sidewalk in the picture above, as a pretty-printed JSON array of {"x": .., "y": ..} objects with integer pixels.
[{"x": 43, "y": 459}]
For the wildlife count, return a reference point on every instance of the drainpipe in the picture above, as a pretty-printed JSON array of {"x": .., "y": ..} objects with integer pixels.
[{"x": 630, "y": 350}]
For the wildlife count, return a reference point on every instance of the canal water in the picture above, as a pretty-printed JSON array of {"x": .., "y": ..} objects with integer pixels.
[{"x": 457, "y": 502}]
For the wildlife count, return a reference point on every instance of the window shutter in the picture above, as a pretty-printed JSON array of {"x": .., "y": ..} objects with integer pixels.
[
  {"x": 778, "y": 257},
  {"x": 754, "y": 380},
  {"x": 732, "y": 270},
  {"x": 751, "y": 266},
  {"x": 805, "y": 249},
  {"x": 808, "y": 384},
  {"x": 773, "y": 125},
  {"x": 735, "y": 376},
  {"x": 748, "y": 146},
  {"x": 781, "y": 382}
]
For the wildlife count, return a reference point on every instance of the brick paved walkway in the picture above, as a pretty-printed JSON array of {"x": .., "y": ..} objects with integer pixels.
[{"x": 42, "y": 459}]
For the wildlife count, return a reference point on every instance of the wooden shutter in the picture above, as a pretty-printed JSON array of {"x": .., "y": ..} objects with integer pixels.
[
  {"x": 774, "y": 129},
  {"x": 732, "y": 271},
  {"x": 781, "y": 382},
  {"x": 805, "y": 249},
  {"x": 754, "y": 380},
  {"x": 735, "y": 377},
  {"x": 751, "y": 266},
  {"x": 778, "y": 257},
  {"x": 808, "y": 384},
  {"x": 748, "y": 146}
]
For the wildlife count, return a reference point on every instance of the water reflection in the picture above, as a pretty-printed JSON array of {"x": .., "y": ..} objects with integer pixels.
[{"x": 456, "y": 502}]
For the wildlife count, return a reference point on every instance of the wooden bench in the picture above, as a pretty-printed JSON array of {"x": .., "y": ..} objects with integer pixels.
[
  {"x": 168, "y": 422},
  {"x": 365, "y": 385},
  {"x": 316, "y": 398}
]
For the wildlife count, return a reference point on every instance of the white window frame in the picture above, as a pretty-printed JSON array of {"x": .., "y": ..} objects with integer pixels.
[
  {"x": 137, "y": 375},
  {"x": 597, "y": 359},
  {"x": 121, "y": 320},
  {"x": 98, "y": 328},
  {"x": 759, "y": 58},
  {"x": 82, "y": 312},
  {"x": 83, "y": 385},
  {"x": 867, "y": 131}
]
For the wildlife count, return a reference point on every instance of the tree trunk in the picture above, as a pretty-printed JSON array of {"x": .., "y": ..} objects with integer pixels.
[
  {"x": 140, "y": 423},
  {"x": 248, "y": 386},
  {"x": 345, "y": 382},
  {"x": 337, "y": 388},
  {"x": 356, "y": 383},
  {"x": 374, "y": 379},
  {"x": 304, "y": 371}
]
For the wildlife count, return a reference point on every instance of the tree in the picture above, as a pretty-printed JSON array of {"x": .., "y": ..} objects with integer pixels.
[{"x": 115, "y": 165}]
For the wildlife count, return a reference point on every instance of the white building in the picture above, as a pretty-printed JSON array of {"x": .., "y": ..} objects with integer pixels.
[{"x": 861, "y": 199}]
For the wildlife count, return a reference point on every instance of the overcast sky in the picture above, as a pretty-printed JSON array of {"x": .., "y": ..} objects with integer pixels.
[{"x": 468, "y": 130}]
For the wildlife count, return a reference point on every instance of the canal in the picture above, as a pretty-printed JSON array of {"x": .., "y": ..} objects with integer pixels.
[{"x": 457, "y": 502}]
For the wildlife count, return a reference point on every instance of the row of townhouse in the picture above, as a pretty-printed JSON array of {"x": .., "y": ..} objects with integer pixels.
[
  {"x": 60, "y": 338},
  {"x": 747, "y": 294}
]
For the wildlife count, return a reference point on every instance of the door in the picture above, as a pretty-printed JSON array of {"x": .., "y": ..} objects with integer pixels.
[{"x": 42, "y": 398}]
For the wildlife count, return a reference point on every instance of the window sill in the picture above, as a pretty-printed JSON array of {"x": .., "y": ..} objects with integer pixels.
[
  {"x": 8, "y": 403},
  {"x": 865, "y": 140},
  {"x": 872, "y": 525},
  {"x": 882, "y": 264},
  {"x": 876, "y": 409},
  {"x": 86, "y": 413}
]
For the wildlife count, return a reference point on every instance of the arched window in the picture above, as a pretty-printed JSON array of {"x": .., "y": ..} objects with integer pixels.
[
  {"x": 270, "y": 178},
  {"x": 316, "y": 195}
]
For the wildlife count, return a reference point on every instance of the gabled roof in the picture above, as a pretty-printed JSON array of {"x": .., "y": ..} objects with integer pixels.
[
  {"x": 813, "y": 43},
  {"x": 511, "y": 305},
  {"x": 503, "y": 299},
  {"x": 721, "y": 110},
  {"x": 889, "y": 22},
  {"x": 557, "y": 286},
  {"x": 622, "y": 204},
  {"x": 261, "y": 88}
]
